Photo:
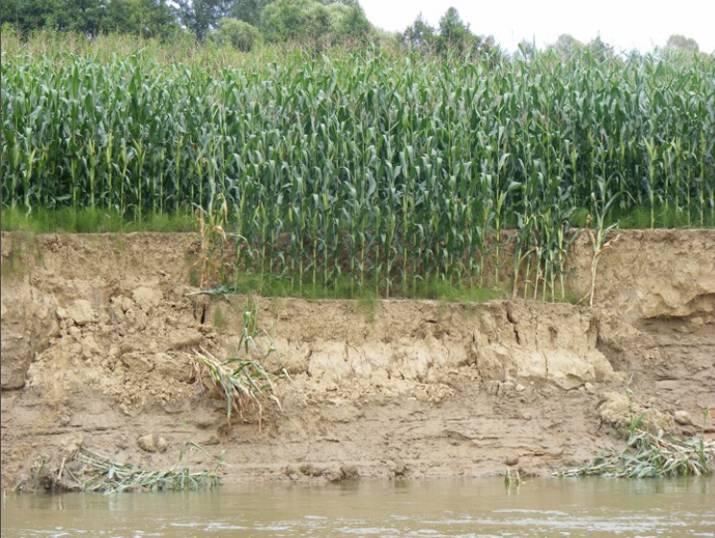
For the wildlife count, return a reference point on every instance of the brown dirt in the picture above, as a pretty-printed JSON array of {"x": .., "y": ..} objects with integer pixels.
[{"x": 98, "y": 332}]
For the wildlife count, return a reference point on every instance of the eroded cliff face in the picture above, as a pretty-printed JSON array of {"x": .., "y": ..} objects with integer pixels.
[
  {"x": 651, "y": 274},
  {"x": 99, "y": 334}
]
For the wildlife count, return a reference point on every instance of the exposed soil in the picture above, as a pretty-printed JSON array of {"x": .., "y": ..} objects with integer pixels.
[{"x": 98, "y": 334}]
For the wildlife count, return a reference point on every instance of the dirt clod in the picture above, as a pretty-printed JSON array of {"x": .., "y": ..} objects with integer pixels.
[
  {"x": 81, "y": 312},
  {"x": 147, "y": 298},
  {"x": 152, "y": 442}
]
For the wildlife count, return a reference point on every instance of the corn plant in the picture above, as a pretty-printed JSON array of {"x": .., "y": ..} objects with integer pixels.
[{"x": 390, "y": 172}]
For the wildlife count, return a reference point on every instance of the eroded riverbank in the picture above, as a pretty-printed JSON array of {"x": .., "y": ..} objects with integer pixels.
[{"x": 98, "y": 333}]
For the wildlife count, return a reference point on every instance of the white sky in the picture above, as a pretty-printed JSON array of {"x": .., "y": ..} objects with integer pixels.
[{"x": 625, "y": 24}]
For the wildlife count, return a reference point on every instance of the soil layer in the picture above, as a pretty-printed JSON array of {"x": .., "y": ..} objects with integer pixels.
[{"x": 99, "y": 331}]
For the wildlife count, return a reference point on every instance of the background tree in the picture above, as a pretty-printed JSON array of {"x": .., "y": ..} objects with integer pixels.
[
  {"x": 526, "y": 50},
  {"x": 288, "y": 20},
  {"x": 201, "y": 16},
  {"x": 488, "y": 49},
  {"x": 238, "y": 34},
  {"x": 147, "y": 18},
  {"x": 454, "y": 34},
  {"x": 348, "y": 23},
  {"x": 144, "y": 17},
  {"x": 319, "y": 22},
  {"x": 682, "y": 43},
  {"x": 566, "y": 44},
  {"x": 84, "y": 16},
  {"x": 313, "y": 22},
  {"x": 248, "y": 10},
  {"x": 27, "y": 15},
  {"x": 600, "y": 50},
  {"x": 419, "y": 36}
]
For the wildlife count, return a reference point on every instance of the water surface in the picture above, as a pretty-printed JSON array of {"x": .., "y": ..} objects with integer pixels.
[{"x": 468, "y": 508}]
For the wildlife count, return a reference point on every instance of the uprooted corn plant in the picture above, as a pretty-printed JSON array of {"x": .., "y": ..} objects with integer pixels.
[
  {"x": 242, "y": 381},
  {"x": 85, "y": 470},
  {"x": 649, "y": 455}
]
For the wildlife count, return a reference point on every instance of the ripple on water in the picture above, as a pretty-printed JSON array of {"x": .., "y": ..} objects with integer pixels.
[{"x": 437, "y": 509}]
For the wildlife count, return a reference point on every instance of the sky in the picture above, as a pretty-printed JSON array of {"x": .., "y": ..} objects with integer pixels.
[{"x": 625, "y": 24}]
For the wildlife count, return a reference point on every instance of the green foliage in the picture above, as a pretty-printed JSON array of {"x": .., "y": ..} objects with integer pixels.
[
  {"x": 149, "y": 18},
  {"x": 88, "y": 471},
  {"x": 271, "y": 285},
  {"x": 419, "y": 36},
  {"x": 452, "y": 38},
  {"x": 600, "y": 50},
  {"x": 87, "y": 220},
  {"x": 652, "y": 456},
  {"x": 682, "y": 43},
  {"x": 315, "y": 23},
  {"x": 202, "y": 16},
  {"x": 244, "y": 383},
  {"x": 248, "y": 10},
  {"x": 294, "y": 20},
  {"x": 454, "y": 34},
  {"x": 566, "y": 45},
  {"x": 239, "y": 34},
  {"x": 364, "y": 170},
  {"x": 348, "y": 23},
  {"x": 27, "y": 15}
]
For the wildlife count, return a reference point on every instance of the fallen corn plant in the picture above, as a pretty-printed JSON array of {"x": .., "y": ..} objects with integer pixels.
[
  {"x": 244, "y": 383},
  {"x": 89, "y": 471},
  {"x": 652, "y": 456}
]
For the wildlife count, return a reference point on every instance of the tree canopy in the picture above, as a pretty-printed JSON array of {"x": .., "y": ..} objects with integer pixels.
[
  {"x": 202, "y": 16},
  {"x": 249, "y": 10},
  {"x": 244, "y": 23},
  {"x": 312, "y": 21},
  {"x": 237, "y": 33},
  {"x": 680, "y": 42},
  {"x": 149, "y": 18},
  {"x": 241, "y": 23},
  {"x": 452, "y": 36}
]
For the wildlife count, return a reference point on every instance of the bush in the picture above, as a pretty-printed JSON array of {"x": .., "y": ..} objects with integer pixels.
[
  {"x": 239, "y": 34},
  {"x": 288, "y": 20},
  {"x": 348, "y": 24},
  {"x": 311, "y": 21}
]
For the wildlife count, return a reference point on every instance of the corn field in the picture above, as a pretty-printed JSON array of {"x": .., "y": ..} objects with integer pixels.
[{"x": 386, "y": 171}]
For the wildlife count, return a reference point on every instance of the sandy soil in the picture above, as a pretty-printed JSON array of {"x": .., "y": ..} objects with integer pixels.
[{"x": 98, "y": 334}]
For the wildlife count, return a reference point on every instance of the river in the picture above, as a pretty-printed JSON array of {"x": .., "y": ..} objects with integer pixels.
[{"x": 431, "y": 508}]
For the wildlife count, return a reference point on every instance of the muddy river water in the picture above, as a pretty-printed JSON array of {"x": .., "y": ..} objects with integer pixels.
[{"x": 592, "y": 507}]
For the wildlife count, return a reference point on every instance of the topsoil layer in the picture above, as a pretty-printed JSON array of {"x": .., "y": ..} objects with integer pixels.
[{"x": 99, "y": 331}]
